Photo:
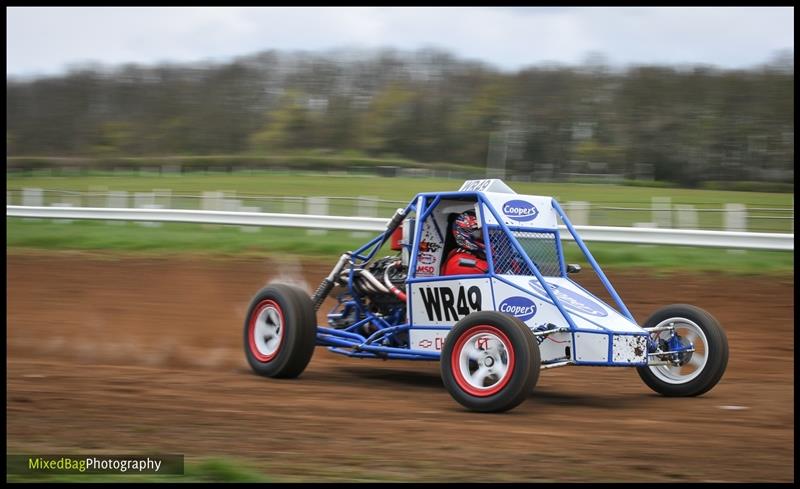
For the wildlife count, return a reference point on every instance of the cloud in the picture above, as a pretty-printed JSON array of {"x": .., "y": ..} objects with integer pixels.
[{"x": 47, "y": 39}]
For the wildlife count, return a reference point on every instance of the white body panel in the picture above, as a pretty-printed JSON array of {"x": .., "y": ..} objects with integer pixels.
[
  {"x": 515, "y": 302},
  {"x": 629, "y": 349},
  {"x": 432, "y": 240},
  {"x": 591, "y": 347},
  {"x": 602, "y": 335},
  {"x": 582, "y": 307},
  {"x": 445, "y": 302},
  {"x": 487, "y": 185},
  {"x": 431, "y": 243},
  {"x": 427, "y": 339}
]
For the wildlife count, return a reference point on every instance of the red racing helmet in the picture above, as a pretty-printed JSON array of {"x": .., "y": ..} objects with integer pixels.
[{"x": 467, "y": 232}]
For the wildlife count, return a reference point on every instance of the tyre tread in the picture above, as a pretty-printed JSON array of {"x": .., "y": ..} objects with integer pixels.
[{"x": 299, "y": 347}]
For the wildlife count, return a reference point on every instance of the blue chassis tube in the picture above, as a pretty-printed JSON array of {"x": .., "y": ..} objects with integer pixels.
[{"x": 364, "y": 347}]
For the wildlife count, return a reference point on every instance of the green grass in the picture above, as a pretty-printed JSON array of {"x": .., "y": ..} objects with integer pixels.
[
  {"x": 222, "y": 240},
  {"x": 685, "y": 258},
  {"x": 403, "y": 189},
  {"x": 310, "y": 159},
  {"x": 171, "y": 238},
  {"x": 335, "y": 184}
]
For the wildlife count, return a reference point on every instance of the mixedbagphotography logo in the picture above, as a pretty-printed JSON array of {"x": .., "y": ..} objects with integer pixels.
[{"x": 170, "y": 464}]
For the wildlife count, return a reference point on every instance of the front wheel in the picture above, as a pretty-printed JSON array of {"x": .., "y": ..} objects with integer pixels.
[
  {"x": 280, "y": 331},
  {"x": 490, "y": 362},
  {"x": 702, "y": 347}
]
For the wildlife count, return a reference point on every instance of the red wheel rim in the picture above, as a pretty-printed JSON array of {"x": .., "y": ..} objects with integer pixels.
[
  {"x": 266, "y": 326},
  {"x": 472, "y": 352}
]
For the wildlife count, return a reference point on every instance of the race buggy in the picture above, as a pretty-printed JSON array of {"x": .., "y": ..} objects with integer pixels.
[{"x": 492, "y": 330}]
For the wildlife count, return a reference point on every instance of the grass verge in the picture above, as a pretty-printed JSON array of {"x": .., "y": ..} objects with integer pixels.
[
  {"x": 344, "y": 185},
  {"x": 611, "y": 205},
  {"x": 230, "y": 241}
]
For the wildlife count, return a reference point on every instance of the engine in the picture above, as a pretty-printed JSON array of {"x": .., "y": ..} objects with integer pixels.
[{"x": 383, "y": 285}]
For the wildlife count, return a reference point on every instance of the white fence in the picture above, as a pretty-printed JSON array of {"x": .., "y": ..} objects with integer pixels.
[
  {"x": 656, "y": 212},
  {"x": 639, "y": 235}
]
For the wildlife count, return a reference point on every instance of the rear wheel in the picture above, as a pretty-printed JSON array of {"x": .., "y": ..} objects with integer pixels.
[
  {"x": 490, "y": 362},
  {"x": 688, "y": 373},
  {"x": 280, "y": 331}
]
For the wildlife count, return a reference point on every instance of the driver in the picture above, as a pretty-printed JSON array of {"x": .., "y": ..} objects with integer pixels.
[{"x": 470, "y": 247}]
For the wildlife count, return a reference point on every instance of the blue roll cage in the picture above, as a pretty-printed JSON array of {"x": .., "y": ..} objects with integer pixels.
[{"x": 347, "y": 342}]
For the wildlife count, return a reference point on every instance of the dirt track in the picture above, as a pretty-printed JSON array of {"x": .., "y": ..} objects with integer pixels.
[{"x": 125, "y": 355}]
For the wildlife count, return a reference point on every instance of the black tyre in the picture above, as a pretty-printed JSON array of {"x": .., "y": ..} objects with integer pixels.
[
  {"x": 687, "y": 374},
  {"x": 280, "y": 331},
  {"x": 490, "y": 362}
]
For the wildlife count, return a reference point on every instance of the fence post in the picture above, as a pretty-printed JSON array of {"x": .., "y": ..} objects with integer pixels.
[
  {"x": 249, "y": 229},
  {"x": 367, "y": 206},
  {"x": 735, "y": 217},
  {"x": 146, "y": 200},
  {"x": 687, "y": 216},
  {"x": 735, "y": 220},
  {"x": 212, "y": 202},
  {"x": 662, "y": 212},
  {"x": 117, "y": 199},
  {"x": 62, "y": 204},
  {"x": 32, "y": 197},
  {"x": 317, "y": 206},
  {"x": 578, "y": 212}
]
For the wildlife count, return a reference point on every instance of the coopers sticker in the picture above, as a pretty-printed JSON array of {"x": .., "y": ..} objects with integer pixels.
[
  {"x": 571, "y": 300},
  {"x": 521, "y": 308},
  {"x": 519, "y": 210}
]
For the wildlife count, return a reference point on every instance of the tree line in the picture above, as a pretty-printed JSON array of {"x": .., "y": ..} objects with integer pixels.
[{"x": 681, "y": 124}]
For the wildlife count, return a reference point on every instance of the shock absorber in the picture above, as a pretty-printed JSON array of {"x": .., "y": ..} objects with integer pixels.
[
  {"x": 397, "y": 218},
  {"x": 328, "y": 282}
]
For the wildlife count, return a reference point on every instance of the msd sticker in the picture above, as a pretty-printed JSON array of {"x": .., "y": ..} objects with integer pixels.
[
  {"x": 571, "y": 300},
  {"x": 521, "y": 308},
  {"x": 520, "y": 210}
]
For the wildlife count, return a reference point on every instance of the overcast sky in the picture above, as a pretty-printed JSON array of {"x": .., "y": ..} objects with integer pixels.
[{"x": 45, "y": 40}]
